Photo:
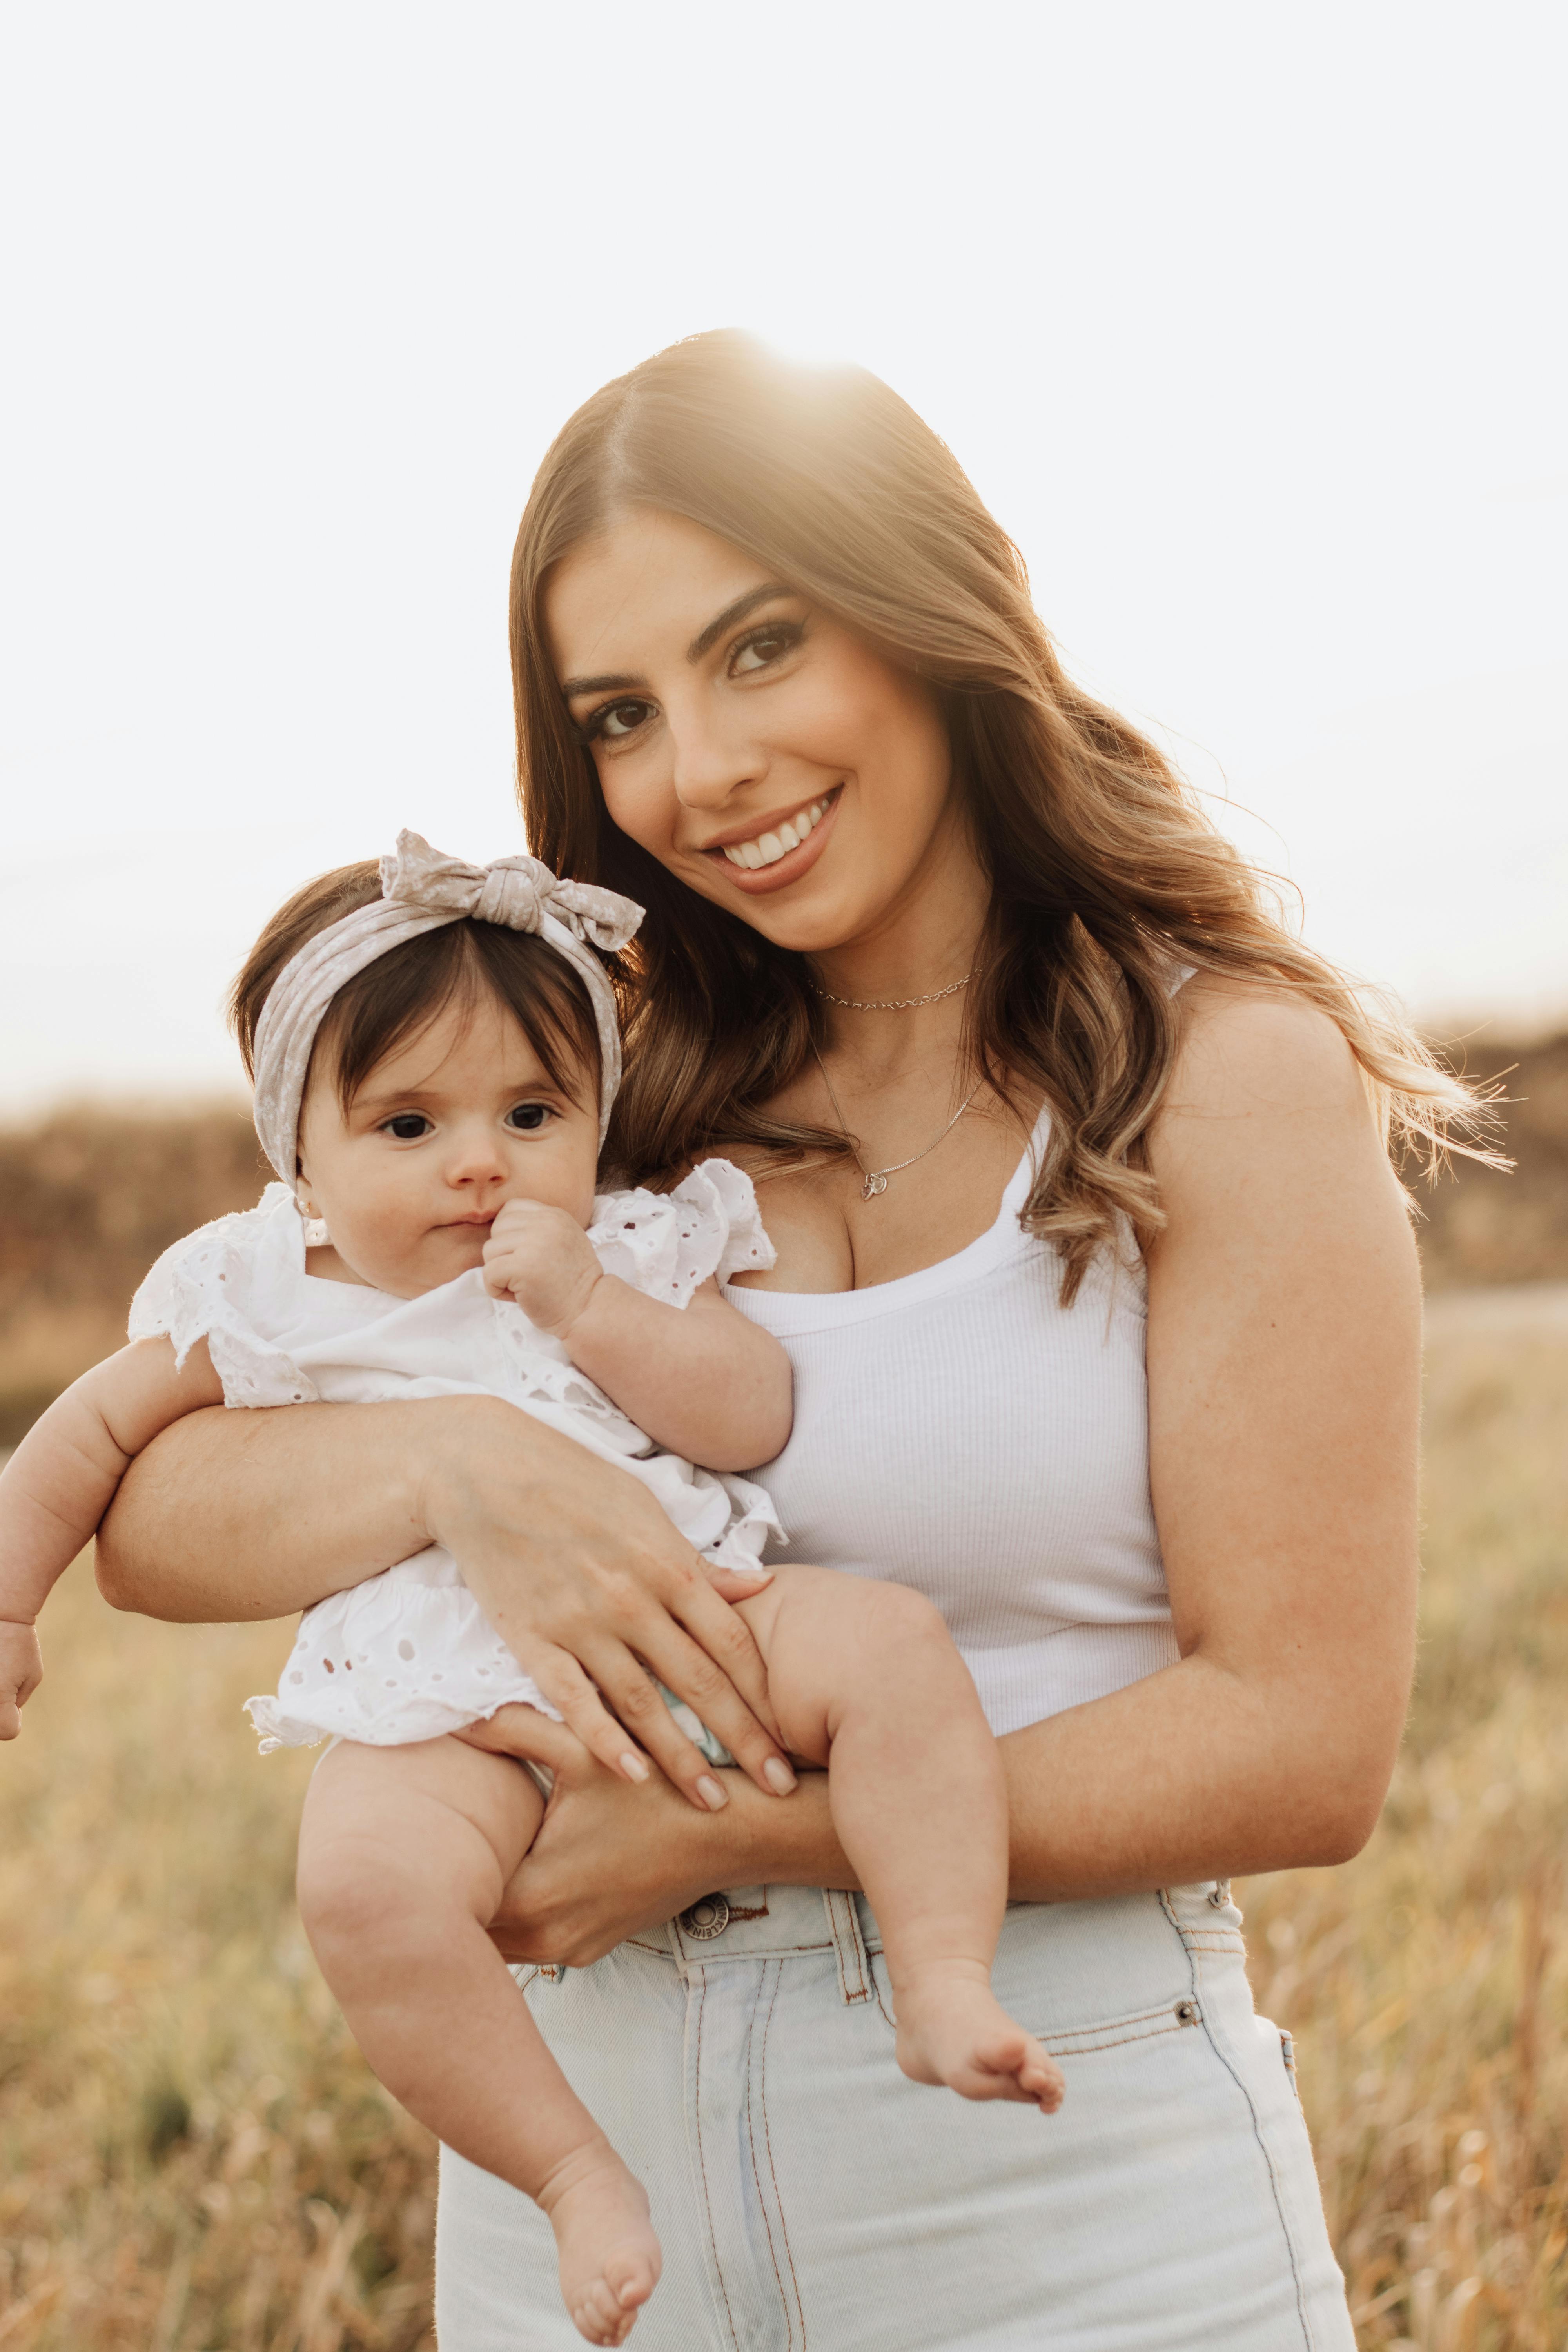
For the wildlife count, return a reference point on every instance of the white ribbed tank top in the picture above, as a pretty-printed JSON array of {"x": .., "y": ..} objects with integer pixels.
[{"x": 960, "y": 1431}]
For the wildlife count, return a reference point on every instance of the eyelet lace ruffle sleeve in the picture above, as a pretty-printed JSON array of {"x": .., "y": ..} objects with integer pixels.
[
  {"x": 669, "y": 1243},
  {"x": 211, "y": 1286}
]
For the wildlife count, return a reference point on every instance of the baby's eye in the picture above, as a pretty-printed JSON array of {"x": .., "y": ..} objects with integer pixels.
[
  {"x": 614, "y": 721},
  {"x": 407, "y": 1127},
  {"x": 527, "y": 1118}
]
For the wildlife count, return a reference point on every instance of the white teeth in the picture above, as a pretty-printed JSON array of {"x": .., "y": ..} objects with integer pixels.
[{"x": 769, "y": 848}]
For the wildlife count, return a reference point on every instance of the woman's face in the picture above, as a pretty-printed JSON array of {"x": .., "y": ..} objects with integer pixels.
[{"x": 748, "y": 741}]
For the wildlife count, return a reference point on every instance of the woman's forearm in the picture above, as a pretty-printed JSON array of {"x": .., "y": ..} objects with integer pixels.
[
  {"x": 1190, "y": 1774},
  {"x": 232, "y": 1515}
]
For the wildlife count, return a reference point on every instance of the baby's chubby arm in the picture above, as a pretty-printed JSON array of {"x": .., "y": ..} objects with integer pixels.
[
  {"x": 62, "y": 1478},
  {"x": 701, "y": 1379}
]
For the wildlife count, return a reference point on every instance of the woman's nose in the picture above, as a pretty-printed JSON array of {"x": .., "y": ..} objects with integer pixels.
[{"x": 710, "y": 760}]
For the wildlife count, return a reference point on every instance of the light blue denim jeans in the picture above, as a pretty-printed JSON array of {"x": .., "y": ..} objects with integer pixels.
[{"x": 809, "y": 2198}]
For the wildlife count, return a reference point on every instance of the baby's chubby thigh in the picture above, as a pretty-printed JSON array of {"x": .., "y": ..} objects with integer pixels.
[
  {"x": 397, "y": 1842},
  {"x": 832, "y": 1641}
]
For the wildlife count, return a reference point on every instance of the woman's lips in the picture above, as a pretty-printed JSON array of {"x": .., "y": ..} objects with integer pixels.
[{"x": 757, "y": 881}]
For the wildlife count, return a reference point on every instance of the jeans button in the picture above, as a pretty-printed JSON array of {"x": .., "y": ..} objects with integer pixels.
[{"x": 707, "y": 1919}]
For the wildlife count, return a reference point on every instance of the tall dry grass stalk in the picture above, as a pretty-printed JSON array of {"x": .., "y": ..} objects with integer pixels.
[{"x": 194, "y": 2159}]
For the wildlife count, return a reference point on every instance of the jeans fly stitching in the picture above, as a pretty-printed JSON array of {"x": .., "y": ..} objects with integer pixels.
[
  {"x": 700, "y": 1990},
  {"x": 1307, "y": 2331},
  {"x": 772, "y": 2171},
  {"x": 847, "y": 1941}
]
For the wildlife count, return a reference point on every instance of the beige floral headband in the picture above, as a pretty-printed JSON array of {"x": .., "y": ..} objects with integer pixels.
[{"x": 420, "y": 891}]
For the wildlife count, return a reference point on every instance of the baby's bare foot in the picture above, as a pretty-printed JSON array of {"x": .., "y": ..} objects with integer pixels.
[
  {"x": 953, "y": 2029},
  {"x": 609, "y": 2256}
]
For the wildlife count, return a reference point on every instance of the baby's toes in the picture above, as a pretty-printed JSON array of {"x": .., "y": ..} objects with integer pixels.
[
  {"x": 600, "y": 2317},
  {"x": 631, "y": 2278},
  {"x": 1043, "y": 2081}
]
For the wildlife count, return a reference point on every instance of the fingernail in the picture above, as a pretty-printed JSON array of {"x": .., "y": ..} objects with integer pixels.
[
  {"x": 778, "y": 1776},
  {"x": 633, "y": 1766},
  {"x": 712, "y": 1795}
]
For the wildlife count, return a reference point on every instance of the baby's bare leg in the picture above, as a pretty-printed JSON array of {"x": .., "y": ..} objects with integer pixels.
[
  {"x": 864, "y": 1678},
  {"x": 403, "y": 1852}
]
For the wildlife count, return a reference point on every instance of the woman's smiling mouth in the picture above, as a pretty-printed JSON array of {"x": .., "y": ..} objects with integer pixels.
[{"x": 778, "y": 845}]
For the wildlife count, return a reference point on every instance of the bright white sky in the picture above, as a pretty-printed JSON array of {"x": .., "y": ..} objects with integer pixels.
[{"x": 1247, "y": 321}]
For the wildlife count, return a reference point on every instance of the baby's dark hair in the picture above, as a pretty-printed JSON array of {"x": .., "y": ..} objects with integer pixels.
[{"x": 403, "y": 990}]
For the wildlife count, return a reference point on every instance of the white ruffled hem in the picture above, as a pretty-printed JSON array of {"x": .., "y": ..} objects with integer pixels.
[{"x": 407, "y": 1655}]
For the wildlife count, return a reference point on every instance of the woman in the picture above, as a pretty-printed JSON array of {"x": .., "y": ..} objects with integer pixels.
[{"x": 1104, "y": 1315}]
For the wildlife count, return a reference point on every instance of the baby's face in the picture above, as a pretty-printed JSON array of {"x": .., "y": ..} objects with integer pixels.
[{"x": 453, "y": 1124}]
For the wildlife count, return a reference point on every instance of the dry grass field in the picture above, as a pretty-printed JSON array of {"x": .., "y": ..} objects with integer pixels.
[{"x": 193, "y": 2158}]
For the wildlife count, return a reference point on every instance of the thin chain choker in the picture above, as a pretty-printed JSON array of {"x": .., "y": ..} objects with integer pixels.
[{"x": 889, "y": 1004}]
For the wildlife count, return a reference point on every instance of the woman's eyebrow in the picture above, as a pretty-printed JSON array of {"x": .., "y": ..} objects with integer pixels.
[
  {"x": 707, "y": 638},
  {"x": 621, "y": 681},
  {"x": 609, "y": 683}
]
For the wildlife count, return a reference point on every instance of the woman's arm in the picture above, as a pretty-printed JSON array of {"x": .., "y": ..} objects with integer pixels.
[
  {"x": 244, "y": 1515},
  {"x": 1284, "y": 1338}
]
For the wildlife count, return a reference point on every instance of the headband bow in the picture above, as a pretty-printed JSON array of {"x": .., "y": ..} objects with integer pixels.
[
  {"x": 422, "y": 891},
  {"x": 520, "y": 892}
]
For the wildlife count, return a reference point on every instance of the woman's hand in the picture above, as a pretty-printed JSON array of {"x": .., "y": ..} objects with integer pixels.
[
  {"x": 612, "y": 1861},
  {"x": 230, "y": 1516},
  {"x": 592, "y": 1590}
]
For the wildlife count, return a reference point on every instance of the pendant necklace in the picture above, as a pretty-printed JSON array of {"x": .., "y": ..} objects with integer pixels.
[{"x": 874, "y": 1181}]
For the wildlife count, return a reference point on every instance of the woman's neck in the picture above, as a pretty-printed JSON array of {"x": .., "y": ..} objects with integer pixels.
[{"x": 895, "y": 998}]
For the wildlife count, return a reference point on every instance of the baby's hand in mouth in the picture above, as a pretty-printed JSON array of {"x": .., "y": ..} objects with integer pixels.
[{"x": 541, "y": 1258}]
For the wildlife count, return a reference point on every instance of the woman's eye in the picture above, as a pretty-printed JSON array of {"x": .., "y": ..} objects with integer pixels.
[
  {"x": 527, "y": 1118},
  {"x": 407, "y": 1127},
  {"x": 766, "y": 645},
  {"x": 615, "y": 721}
]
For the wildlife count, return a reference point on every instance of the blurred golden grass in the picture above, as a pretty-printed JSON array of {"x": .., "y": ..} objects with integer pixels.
[
  {"x": 194, "y": 2159},
  {"x": 1426, "y": 1983}
]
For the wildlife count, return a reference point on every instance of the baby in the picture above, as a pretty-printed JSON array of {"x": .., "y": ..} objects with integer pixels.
[{"x": 435, "y": 1052}]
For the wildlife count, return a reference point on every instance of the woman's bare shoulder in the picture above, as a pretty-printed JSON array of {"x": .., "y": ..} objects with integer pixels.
[
  {"x": 1254, "y": 1042},
  {"x": 1265, "y": 1106}
]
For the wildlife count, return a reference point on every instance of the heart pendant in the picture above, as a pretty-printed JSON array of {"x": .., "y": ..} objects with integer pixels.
[{"x": 872, "y": 1186}]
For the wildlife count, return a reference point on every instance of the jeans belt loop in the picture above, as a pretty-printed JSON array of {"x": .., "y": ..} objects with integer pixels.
[{"x": 848, "y": 1945}]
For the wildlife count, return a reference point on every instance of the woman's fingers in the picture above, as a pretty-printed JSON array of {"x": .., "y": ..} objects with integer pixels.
[
  {"x": 691, "y": 1673},
  {"x": 712, "y": 1623},
  {"x": 526, "y": 1733},
  {"x": 630, "y": 1690},
  {"x": 567, "y": 1687},
  {"x": 736, "y": 1584}
]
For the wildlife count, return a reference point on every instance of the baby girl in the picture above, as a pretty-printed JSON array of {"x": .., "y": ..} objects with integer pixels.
[{"x": 435, "y": 1052}]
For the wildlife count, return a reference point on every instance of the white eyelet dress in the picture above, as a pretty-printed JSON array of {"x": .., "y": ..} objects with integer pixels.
[
  {"x": 408, "y": 1654},
  {"x": 964, "y": 1432}
]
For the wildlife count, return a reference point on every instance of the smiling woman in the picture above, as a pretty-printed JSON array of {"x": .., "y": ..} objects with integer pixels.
[
  {"x": 1103, "y": 1312},
  {"x": 758, "y": 610}
]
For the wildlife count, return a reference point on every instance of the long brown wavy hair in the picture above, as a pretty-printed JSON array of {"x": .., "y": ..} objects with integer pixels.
[{"x": 1105, "y": 871}]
